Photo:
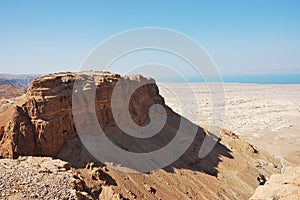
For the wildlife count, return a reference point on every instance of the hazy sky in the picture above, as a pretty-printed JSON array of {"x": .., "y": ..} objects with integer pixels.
[{"x": 241, "y": 36}]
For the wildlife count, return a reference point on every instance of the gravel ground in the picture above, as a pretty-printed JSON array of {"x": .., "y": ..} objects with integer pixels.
[{"x": 36, "y": 178}]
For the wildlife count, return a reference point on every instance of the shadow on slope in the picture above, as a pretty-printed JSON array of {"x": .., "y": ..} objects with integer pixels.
[
  {"x": 190, "y": 159},
  {"x": 75, "y": 152}
]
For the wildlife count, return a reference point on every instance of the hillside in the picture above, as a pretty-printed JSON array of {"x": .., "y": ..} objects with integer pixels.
[
  {"x": 9, "y": 91},
  {"x": 17, "y": 80},
  {"x": 42, "y": 124}
]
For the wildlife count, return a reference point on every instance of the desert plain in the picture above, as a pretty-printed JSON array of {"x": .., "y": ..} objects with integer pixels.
[{"x": 265, "y": 115}]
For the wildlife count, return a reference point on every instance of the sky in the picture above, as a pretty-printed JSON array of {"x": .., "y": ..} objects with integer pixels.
[{"x": 242, "y": 37}]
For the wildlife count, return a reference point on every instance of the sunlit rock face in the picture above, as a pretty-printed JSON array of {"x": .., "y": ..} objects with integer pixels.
[{"x": 44, "y": 121}]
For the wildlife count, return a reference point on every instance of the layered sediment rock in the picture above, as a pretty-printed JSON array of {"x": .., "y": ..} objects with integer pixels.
[{"x": 44, "y": 122}]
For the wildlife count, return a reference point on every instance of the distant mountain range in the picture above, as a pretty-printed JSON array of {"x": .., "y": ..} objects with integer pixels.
[{"x": 17, "y": 80}]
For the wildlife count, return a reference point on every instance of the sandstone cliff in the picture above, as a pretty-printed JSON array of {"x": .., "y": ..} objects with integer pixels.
[{"x": 44, "y": 122}]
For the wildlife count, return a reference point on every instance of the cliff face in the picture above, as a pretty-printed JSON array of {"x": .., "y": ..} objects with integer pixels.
[{"x": 43, "y": 122}]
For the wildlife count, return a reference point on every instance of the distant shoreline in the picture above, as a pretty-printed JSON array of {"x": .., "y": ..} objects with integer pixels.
[
  {"x": 231, "y": 79},
  {"x": 258, "y": 79}
]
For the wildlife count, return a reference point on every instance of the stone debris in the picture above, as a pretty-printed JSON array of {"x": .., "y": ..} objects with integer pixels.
[{"x": 280, "y": 186}]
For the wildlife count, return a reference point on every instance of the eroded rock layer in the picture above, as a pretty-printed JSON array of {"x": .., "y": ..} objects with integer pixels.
[{"x": 44, "y": 122}]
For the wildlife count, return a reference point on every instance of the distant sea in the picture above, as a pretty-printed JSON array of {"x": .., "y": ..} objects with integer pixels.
[
  {"x": 17, "y": 79},
  {"x": 257, "y": 78}
]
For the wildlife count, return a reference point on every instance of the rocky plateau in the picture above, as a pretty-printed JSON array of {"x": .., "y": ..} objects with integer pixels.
[{"x": 41, "y": 124}]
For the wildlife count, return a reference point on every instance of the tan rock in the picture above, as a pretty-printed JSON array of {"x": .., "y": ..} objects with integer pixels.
[
  {"x": 281, "y": 186},
  {"x": 43, "y": 123},
  {"x": 109, "y": 193}
]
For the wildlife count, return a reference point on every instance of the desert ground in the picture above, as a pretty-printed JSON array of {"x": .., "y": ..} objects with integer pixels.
[{"x": 268, "y": 116}]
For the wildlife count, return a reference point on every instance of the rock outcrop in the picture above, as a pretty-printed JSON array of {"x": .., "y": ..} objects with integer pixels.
[
  {"x": 284, "y": 186},
  {"x": 44, "y": 122}
]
